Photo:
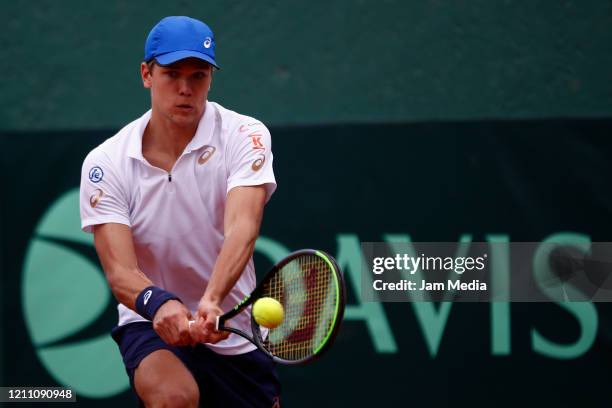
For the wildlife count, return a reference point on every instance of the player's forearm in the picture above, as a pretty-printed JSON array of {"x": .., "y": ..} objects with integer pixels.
[
  {"x": 236, "y": 251},
  {"x": 115, "y": 249},
  {"x": 126, "y": 284}
]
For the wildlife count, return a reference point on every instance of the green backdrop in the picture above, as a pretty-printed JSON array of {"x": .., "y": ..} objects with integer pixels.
[{"x": 74, "y": 65}]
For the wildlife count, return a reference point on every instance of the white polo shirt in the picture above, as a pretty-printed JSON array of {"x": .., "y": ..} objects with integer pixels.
[{"x": 176, "y": 218}]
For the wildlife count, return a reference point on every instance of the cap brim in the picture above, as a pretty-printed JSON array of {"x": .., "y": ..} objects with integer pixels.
[{"x": 172, "y": 57}]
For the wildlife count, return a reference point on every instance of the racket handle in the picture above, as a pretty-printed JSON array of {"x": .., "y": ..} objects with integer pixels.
[{"x": 216, "y": 324}]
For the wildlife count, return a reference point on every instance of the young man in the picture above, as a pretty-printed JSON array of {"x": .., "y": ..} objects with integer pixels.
[{"x": 175, "y": 200}]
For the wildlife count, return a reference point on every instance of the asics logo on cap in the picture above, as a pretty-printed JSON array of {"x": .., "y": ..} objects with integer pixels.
[
  {"x": 147, "y": 296},
  {"x": 207, "y": 42}
]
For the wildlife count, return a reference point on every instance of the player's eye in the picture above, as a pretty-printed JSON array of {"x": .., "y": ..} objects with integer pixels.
[
  {"x": 200, "y": 75},
  {"x": 172, "y": 74}
]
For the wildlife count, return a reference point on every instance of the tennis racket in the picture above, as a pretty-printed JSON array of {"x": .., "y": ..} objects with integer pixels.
[{"x": 309, "y": 285}]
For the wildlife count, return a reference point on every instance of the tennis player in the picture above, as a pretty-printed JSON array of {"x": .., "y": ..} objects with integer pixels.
[{"x": 175, "y": 200}]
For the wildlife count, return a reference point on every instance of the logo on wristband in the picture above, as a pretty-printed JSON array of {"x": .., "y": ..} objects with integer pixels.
[{"x": 147, "y": 296}]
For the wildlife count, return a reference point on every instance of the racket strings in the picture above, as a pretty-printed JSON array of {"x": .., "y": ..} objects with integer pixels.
[{"x": 307, "y": 290}]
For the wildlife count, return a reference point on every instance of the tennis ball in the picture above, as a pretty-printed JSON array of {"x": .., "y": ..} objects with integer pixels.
[{"x": 268, "y": 312}]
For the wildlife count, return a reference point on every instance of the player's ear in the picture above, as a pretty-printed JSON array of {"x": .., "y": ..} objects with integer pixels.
[{"x": 145, "y": 74}]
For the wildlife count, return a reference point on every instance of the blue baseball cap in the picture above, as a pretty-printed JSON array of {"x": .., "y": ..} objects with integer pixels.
[{"x": 178, "y": 37}]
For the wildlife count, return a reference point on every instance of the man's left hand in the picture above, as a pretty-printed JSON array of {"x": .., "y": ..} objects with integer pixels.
[{"x": 203, "y": 330}]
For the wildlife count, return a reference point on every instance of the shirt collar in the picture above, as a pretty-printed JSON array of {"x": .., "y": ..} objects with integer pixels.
[
  {"x": 202, "y": 135},
  {"x": 135, "y": 143},
  {"x": 205, "y": 129}
]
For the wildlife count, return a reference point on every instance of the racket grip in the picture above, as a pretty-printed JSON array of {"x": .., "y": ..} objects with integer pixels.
[{"x": 216, "y": 324}]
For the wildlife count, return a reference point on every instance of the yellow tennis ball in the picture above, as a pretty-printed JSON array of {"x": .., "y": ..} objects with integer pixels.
[{"x": 268, "y": 312}]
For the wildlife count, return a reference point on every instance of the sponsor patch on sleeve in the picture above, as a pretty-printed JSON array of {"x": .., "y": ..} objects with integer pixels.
[{"x": 96, "y": 174}]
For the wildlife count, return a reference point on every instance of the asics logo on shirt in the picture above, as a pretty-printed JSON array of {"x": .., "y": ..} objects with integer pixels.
[
  {"x": 258, "y": 163},
  {"x": 95, "y": 197},
  {"x": 207, "y": 154}
]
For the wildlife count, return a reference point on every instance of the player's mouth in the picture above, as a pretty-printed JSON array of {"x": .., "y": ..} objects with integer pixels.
[{"x": 184, "y": 107}]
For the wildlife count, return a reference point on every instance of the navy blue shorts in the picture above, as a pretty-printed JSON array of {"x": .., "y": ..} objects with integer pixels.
[{"x": 244, "y": 380}]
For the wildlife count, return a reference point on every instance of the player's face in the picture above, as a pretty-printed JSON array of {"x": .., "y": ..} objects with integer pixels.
[{"x": 179, "y": 91}]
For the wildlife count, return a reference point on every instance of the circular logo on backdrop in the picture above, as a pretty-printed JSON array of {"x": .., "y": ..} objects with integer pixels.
[
  {"x": 67, "y": 304},
  {"x": 96, "y": 174}
]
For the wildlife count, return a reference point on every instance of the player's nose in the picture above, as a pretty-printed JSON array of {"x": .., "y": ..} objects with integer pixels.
[{"x": 185, "y": 88}]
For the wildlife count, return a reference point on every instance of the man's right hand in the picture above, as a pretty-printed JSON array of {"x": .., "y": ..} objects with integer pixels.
[{"x": 171, "y": 323}]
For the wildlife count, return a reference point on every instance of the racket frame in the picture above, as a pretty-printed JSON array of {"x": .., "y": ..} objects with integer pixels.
[{"x": 256, "y": 337}]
